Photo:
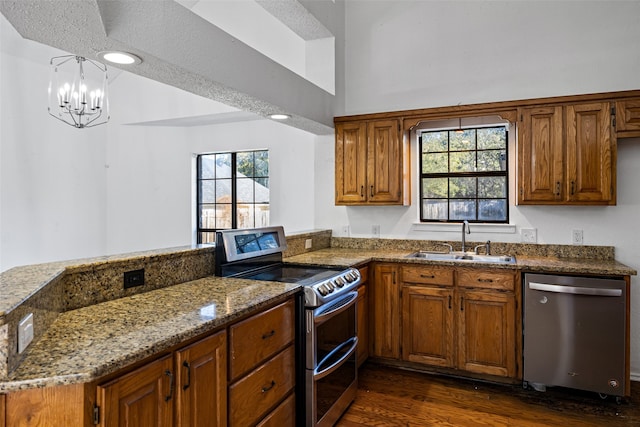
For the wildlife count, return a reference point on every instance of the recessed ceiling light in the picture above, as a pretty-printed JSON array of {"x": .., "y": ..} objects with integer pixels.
[
  {"x": 280, "y": 116},
  {"x": 122, "y": 58}
]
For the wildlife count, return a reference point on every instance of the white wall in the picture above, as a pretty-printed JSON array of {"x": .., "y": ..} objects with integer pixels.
[{"x": 416, "y": 54}]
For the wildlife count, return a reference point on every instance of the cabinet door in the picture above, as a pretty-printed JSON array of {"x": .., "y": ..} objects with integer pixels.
[
  {"x": 628, "y": 118},
  {"x": 351, "y": 163},
  {"x": 385, "y": 305},
  {"x": 540, "y": 155},
  {"x": 384, "y": 162},
  {"x": 427, "y": 325},
  {"x": 486, "y": 332},
  {"x": 202, "y": 383},
  {"x": 362, "y": 353},
  {"x": 589, "y": 153},
  {"x": 142, "y": 398}
]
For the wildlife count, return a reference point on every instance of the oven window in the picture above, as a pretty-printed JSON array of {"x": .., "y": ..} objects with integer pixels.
[
  {"x": 330, "y": 388},
  {"x": 335, "y": 331}
]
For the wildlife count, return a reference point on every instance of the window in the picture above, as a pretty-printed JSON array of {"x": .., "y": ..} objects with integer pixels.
[
  {"x": 463, "y": 175},
  {"x": 233, "y": 192}
]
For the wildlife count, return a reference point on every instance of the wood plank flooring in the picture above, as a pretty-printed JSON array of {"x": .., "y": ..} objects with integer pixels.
[{"x": 392, "y": 397}]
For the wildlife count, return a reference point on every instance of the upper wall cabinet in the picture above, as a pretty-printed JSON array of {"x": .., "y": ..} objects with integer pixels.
[
  {"x": 371, "y": 163},
  {"x": 628, "y": 118},
  {"x": 566, "y": 154}
]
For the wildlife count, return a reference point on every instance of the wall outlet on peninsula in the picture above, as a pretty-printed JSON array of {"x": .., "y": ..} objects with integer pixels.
[{"x": 529, "y": 235}]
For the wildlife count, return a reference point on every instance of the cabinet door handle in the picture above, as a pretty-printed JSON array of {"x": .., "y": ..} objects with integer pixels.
[
  {"x": 449, "y": 302},
  {"x": 461, "y": 303},
  {"x": 269, "y": 387},
  {"x": 485, "y": 280},
  {"x": 171, "y": 384},
  {"x": 394, "y": 277},
  {"x": 269, "y": 335},
  {"x": 372, "y": 191},
  {"x": 427, "y": 276},
  {"x": 362, "y": 191},
  {"x": 558, "y": 189},
  {"x": 188, "y": 366},
  {"x": 573, "y": 185}
]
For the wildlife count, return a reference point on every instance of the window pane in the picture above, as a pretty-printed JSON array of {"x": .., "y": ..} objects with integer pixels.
[
  {"x": 492, "y": 160},
  {"x": 465, "y": 140},
  {"x": 492, "y": 138},
  {"x": 462, "y": 188},
  {"x": 207, "y": 191},
  {"x": 492, "y": 210},
  {"x": 207, "y": 237},
  {"x": 262, "y": 215},
  {"x": 244, "y": 164},
  {"x": 262, "y": 163},
  {"x": 244, "y": 188},
  {"x": 223, "y": 191},
  {"x": 223, "y": 165},
  {"x": 434, "y": 188},
  {"x": 492, "y": 187},
  {"x": 435, "y": 163},
  {"x": 262, "y": 190},
  {"x": 463, "y": 162},
  {"x": 462, "y": 209},
  {"x": 207, "y": 216},
  {"x": 223, "y": 215},
  {"x": 207, "y": 166},
  {"x": 245, "y": 215},
  {"x": 434, "y": 209},
  {"x": 434, "y": 141}
]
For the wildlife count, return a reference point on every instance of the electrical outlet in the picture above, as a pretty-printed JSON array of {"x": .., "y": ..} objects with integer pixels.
[
  {"x": 375, "y": 230},
  {"x": 346, "y": 231},
  {"x": 25, "y": 332},
  {"x": 529, "y": 235},
  {"x": 576, "y": 237},
  {"x": 133, "y": 278},
  {"x": 308, "y": 243}
]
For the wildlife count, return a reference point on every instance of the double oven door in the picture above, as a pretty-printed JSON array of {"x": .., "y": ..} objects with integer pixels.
[{"x": 331, "y": 371}]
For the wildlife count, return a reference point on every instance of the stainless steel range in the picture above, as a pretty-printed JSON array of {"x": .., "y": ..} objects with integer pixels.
[{"x": 329, "y": 320}]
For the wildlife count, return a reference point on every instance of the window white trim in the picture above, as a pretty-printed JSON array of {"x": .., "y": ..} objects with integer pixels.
[{"x": 448, "y": 227}]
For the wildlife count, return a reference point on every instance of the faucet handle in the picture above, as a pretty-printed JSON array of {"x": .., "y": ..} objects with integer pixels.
[
  {"x": 447, "y": 245},
  {"x": 487, "y": 248}
]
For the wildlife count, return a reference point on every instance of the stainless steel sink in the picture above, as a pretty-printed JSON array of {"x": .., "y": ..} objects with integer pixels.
[{"x": 463, "y": 256}]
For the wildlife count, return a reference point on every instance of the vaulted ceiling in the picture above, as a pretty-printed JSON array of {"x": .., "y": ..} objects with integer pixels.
[{"x": 184, "y": 50}]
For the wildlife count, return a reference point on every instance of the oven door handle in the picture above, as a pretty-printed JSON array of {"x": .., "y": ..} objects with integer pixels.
[
  {"x": 335, "y": 307},
  {"x": 320, "y": 373}
]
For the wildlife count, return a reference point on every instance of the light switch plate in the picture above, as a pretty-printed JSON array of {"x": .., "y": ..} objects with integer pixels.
[
  {"x": 25, "y": 332},
  {"x": 375, "y": 230},
  {"x": 308, "y": 244}
]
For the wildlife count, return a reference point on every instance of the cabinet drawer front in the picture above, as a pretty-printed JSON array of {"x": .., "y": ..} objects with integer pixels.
[
  {"x": 259, "y": 337},
  {"x": 430, "y": 275},
  {"x": 487, "y": 279},
  {"x": 252, "y": 396},
  {"x": 283, "y": 416}
]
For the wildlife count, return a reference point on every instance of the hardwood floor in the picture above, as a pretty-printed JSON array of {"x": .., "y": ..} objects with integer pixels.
[{"x": 392, "y": 397}]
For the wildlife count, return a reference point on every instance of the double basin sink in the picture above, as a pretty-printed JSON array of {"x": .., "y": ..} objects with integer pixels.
[{"x": 463, "y": 256}]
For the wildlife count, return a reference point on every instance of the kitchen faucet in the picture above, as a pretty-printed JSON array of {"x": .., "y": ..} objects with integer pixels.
[{"x": 465, "y": 227}]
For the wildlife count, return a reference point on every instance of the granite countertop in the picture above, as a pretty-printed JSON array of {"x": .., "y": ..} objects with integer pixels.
[
  {"x": 538, "y": 264},
  {"x": 85, "y": 344}
]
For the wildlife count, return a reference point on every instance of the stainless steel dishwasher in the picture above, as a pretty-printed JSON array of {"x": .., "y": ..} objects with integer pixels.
[{"x": 574, "y": 333}]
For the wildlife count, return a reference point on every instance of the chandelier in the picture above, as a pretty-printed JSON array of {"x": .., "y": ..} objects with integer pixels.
[{"x": 78, "y": 91}]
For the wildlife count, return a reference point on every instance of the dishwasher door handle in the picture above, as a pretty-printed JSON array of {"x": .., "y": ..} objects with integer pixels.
[{"x": 575, "y": 290}]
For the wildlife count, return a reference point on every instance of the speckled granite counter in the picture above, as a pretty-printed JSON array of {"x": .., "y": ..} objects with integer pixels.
[
  {"x": 84, "y": 344},
  {"x": 352, "y": 257}
]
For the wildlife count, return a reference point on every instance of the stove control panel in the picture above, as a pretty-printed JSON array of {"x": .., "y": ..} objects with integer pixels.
[{"x": 325, "y": 291}]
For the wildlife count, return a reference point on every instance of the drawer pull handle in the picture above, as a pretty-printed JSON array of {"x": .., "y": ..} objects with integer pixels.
[
  {"x": 461, "y": 303},
  {"x": 427, "y": 276},
  {"x": 485, "y": 280},
  {"x": 269, "y": 387},
  {"x": 170, "y": 395},
  {"x": 269, "y": 335},
  {"x": 449, "y": 302},
  {"x": 188, "y": 366}
]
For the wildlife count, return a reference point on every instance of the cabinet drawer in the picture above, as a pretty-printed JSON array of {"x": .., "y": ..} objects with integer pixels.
[
  {"x": 283, "y": 416},
  {"x": 259, "y": 337},
  {"x": 430, "y": 275},
  {"x": 486, "y": 279},
  {"x": 252, "y": 396}
]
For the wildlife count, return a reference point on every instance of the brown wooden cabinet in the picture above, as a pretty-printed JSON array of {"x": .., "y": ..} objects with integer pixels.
[
  {"x": 566, "y": 154},
  {"x": 461, "y": 318},
  {"x": 628, "y": 118},
  {"x": 141, "y": 398},
  {"x": 385, "y": 311},
  {"x": 371, "y": 163},
  {"x": 362, "y": 309}
]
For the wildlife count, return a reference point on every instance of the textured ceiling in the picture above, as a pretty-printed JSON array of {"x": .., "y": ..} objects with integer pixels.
[{"x": 183, "y": 50}]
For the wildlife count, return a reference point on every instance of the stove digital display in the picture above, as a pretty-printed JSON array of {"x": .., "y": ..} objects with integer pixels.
[{"x": 256, "y": 242}]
